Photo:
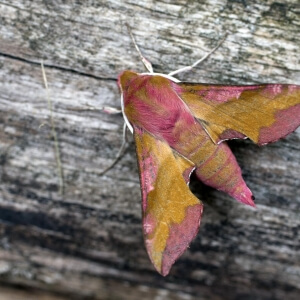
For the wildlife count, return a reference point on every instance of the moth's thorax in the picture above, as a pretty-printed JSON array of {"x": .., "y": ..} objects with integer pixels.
[{"x": 151, "y": 103}]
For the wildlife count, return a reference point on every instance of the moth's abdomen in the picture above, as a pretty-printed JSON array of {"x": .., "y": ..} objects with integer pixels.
[
  {"x": 215, "y": 164},
  {"x": 221, "y": 171}
]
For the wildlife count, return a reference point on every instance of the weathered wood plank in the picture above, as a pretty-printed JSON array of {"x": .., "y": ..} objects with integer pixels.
[{"x": 87, "y": 244}]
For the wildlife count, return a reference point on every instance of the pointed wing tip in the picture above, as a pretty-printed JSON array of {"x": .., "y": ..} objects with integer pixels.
[
  {"x": 164, "y": 270},
  {"x": 181, "y": 235},
  {"x": 162, "y": 267}
]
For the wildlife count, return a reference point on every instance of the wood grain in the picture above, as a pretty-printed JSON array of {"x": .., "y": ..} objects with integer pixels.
[{"x": 87, "y": 244}]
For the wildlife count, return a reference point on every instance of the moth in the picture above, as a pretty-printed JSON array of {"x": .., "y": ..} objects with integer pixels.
[{"x": 180, "y": 128}]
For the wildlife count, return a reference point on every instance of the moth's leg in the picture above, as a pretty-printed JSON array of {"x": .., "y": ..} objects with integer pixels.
[
  {"x": 120, "y": 152},
  {"x": 106, "y": 109},
  {"x": 145, "y": 61},
  {"x": 54, "y": 135},
  {"x": 188, "y": 68},
  {"x": 110, "y": 110}
]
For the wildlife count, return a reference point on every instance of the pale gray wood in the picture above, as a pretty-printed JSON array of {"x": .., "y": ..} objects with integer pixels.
[{"x": 87, "y": 244}]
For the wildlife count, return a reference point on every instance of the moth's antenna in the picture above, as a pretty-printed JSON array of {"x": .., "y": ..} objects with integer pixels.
[
  {"x": 54, "y": 134},
  {"x": 188, "y": 68},
  {"x": 106, "y": 109},
  {"x": 145, "y": 61}
]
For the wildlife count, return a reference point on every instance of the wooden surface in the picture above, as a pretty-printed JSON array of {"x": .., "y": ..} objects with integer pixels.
[{"x": 87, "y": 244}]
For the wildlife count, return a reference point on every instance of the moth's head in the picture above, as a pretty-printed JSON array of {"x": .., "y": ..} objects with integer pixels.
[{"x": 125, "y": 78}]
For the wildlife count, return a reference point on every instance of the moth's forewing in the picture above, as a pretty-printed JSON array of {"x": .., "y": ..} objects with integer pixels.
[
  {"x": 264, "y": 113},
  {"x": 171, "y": 213}
]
